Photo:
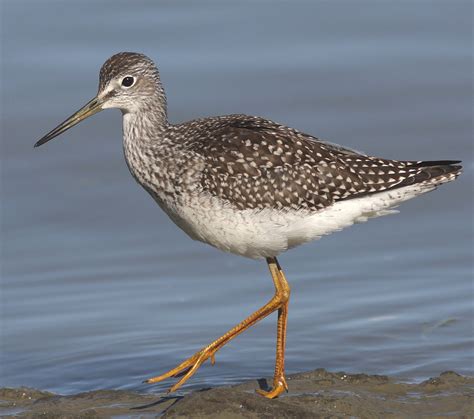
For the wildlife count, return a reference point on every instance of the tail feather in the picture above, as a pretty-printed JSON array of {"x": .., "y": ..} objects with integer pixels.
[
  {"x": 433, "y": 163},
  {"x": 432, "y": 172}
]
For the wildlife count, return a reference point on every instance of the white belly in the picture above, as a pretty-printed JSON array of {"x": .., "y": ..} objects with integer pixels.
[{"x": 267, "y": 233}]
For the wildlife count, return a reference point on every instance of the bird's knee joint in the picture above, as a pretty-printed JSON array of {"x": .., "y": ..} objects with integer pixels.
[{"x": 282, "y": 296}]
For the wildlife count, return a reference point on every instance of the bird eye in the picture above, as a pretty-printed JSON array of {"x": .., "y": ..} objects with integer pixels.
[{"x": 128, "y": 81}]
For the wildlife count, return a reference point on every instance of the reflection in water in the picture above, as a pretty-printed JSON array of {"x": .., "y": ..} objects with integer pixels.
[{"x": 101, "y": 290}]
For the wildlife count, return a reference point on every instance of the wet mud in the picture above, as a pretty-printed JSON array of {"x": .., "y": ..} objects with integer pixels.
[{"x": 312, "y": 394}]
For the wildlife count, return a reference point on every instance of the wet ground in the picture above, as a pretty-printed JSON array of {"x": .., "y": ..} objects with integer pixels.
[{"x": 312, "y": 394}]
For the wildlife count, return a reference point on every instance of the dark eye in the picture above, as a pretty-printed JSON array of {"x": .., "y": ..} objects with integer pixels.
[{"x": 128, "y": 81}]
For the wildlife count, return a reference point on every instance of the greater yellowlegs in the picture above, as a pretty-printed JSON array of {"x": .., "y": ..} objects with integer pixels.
[{"x": 247, "y": 185}]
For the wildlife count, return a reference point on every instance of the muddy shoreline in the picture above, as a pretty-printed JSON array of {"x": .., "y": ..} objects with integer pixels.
[{"x": 312, "y": 394}]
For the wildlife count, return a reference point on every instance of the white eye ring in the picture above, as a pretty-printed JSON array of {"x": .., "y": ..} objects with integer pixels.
[{"x": 127, "y": 82}]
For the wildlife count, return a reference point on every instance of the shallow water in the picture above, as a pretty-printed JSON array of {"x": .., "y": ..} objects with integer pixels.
[{"x": 101, "y": 290}]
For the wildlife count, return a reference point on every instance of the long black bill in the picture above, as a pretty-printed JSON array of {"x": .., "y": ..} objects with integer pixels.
[{"x": 89, "y": 109}]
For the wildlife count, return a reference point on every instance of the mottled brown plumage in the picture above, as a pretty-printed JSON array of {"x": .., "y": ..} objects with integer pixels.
[{"x": 255, "y": 163}]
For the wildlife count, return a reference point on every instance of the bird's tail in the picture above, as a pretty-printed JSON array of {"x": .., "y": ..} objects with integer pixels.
[{"x": 432, "y": 172}]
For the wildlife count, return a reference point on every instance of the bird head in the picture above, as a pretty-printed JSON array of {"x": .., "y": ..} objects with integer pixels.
[{"x": 128, "y": 81}]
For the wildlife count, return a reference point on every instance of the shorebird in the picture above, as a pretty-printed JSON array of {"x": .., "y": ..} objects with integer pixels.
[{"x": 247, "y": 185}]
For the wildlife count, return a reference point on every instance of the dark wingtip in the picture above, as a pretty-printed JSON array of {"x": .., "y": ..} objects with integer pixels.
[{"x": 437, "y": 163}]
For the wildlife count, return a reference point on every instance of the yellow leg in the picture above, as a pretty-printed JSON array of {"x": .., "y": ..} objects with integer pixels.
[
  {"x": 279, "y": 301},
  {"x": 279, "y": 381}
]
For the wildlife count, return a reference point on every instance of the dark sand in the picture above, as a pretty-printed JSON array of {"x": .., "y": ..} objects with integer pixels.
[{"x": 312, "y": 394}]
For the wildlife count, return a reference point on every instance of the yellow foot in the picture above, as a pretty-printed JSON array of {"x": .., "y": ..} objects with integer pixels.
[
  {"x": 279, "y": 386},
  {"x": 187, "y": 368}
]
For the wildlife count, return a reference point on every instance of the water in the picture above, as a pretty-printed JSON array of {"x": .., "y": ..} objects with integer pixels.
[{"x": 101, "y": 290}]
